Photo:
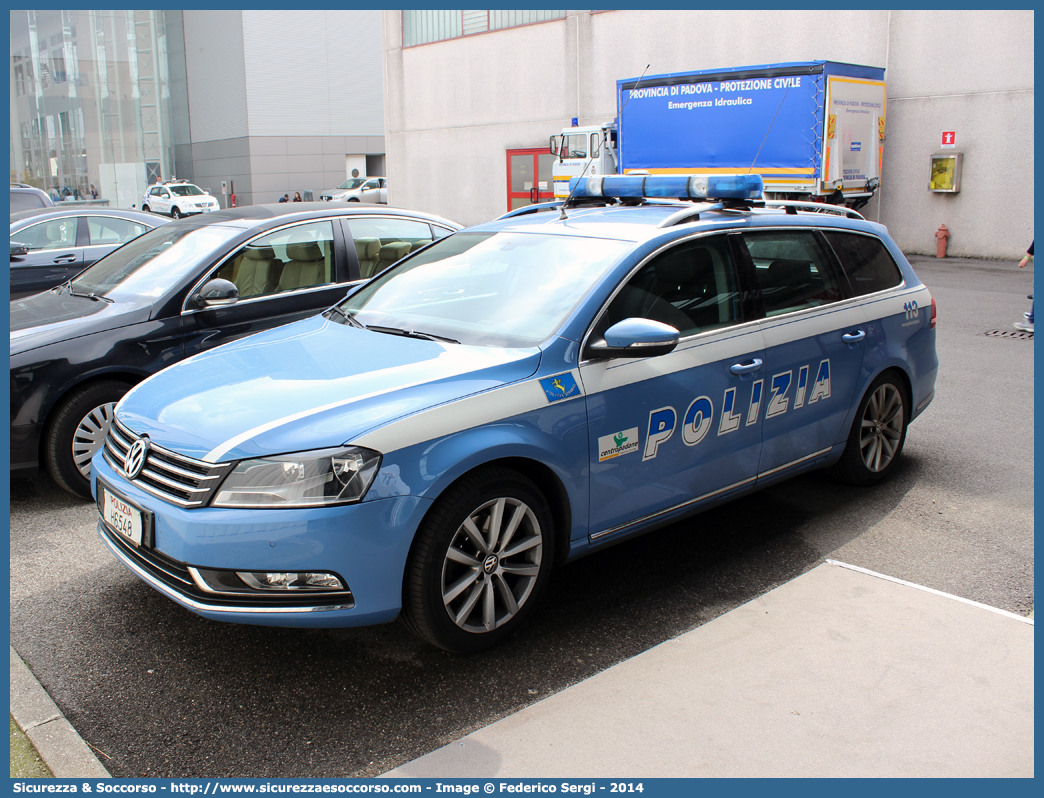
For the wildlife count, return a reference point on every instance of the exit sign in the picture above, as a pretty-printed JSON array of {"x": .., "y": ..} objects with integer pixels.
[{"x": 949, "y": 139}]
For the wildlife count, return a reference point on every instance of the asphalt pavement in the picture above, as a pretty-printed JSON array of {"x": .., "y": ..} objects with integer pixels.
[
  {"x": 838, "y": 671},
  {"x": 841, "y": 672}
]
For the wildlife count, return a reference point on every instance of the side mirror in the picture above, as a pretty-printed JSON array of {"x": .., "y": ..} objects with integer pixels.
[
  {"x": 635, "y": 338},
  {"x": 554, "y": 145},
  {"x": 17, "y": 250},
  {"x": 217, "y": 293}
]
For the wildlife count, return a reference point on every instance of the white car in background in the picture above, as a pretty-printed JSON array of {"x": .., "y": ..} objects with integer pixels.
[
  {"x": 358, "y": 189},
  {"x": 178, "y": 198}
]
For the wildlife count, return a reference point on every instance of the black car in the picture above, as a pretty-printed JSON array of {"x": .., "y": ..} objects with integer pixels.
[
  {"x": 24, "y": 198},
  {"x": 171, "y": 293},
  {"x": 50, "y": 245}
]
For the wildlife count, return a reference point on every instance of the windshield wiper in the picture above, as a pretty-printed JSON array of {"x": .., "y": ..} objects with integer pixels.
[
  {"x": 350, "y": 319},
  {"x": 91, "y": 295},
  {"x": 412, "y": 334}
]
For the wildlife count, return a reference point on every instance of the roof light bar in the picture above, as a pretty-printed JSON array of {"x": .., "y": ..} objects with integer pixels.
[{"x": 737, "y": 186}]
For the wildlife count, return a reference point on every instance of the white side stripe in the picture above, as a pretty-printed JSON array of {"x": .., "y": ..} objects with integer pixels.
[{"x": 461, "y": 414}]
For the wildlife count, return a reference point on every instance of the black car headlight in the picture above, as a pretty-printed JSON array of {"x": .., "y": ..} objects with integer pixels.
[{"x": 306, "y": 479}]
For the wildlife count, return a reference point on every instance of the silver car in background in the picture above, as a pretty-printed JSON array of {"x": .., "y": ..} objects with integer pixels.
[{"x": 358, "y": 189}]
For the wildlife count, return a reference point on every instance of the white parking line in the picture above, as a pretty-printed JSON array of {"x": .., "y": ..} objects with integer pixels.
[{"x": 933, "y": 590}]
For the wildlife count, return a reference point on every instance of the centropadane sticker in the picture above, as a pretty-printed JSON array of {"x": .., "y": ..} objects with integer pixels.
[{"x": 610, "y": 446}]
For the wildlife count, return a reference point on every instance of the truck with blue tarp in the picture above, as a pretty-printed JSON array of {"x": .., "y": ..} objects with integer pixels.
[{"x": 814, "y": 130}]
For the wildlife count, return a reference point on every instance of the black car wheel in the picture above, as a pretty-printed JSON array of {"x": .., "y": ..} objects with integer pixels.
[
  {"x": 480, "y": 562},
  {"x": 878, "y": 433},
  {"x": 175, "y": 213},
  {"x": 146, "y": 209},
  {"x": 353, "y": 199},
  {"x": 78, "y": 431}
]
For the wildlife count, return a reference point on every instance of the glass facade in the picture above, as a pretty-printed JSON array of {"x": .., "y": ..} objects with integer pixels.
[{"x": 90, "y": 103}]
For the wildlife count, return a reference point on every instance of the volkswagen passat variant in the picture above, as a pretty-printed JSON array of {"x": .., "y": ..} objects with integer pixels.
[{"x": 514, "y": 396}]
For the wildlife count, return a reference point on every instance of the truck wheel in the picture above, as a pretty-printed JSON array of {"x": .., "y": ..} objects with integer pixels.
[
  {"x": 878, "y": 433},
  {"x": 480, "y": 562},
  {"x": 78, "y": 431}
]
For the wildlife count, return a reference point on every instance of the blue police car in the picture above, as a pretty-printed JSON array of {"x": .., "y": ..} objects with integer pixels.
[{"x": 514, "y": 396}]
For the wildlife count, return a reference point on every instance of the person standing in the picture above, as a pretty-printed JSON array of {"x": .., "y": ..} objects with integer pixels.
[
  {"x": 297, "y": 196},
  {"x": 1028, "y": 324}
]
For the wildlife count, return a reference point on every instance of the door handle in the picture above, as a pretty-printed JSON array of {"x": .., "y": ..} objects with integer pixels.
[
  {"x": 853, "y": 338},
  {"x": 745, "y": 368},
  {"x": 65, "y": 259}
]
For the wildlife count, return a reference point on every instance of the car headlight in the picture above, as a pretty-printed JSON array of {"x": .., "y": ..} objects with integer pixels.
[{"x": 305, "y": 479}]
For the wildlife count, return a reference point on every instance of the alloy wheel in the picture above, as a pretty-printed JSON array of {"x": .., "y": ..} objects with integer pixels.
[
  {"x": 492, "y": 565},
  {"x": 90, "y": 436},
  {"x": 882, "y": 427}
]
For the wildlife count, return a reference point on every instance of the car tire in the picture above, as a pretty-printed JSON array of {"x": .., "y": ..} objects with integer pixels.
[
  {"x": 353, "y": 199},
  {"x": 467, "y": 589},
  {"x": 78, "y": 430},
  {"x": 878, "y": 432},
  {"x": 175, "y": 213},
  {"x": 146, "y": 209}
]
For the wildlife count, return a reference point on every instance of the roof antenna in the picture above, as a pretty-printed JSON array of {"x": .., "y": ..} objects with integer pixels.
[{"x": 562, "y": 216}]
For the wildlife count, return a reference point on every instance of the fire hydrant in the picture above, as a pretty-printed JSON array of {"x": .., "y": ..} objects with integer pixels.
[{"x": 940, "y": 241}]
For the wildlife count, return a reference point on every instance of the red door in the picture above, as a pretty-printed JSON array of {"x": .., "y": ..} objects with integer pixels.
[{"x": 529, "y": 177}]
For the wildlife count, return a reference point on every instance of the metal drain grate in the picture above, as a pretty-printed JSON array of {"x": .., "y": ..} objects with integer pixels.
[{"x": 1019, "y": 335}]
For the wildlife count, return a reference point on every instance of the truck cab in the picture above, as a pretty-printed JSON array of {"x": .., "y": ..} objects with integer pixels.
[{"x": 582, "y": 151}]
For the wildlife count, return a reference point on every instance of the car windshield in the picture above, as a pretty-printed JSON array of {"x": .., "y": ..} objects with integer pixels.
[
  {"x": 354, "y": 183},
  {"x": 489, "y": 289},
  {"x": 151, "y": 263},
  {"x": 186, "y": 190}
]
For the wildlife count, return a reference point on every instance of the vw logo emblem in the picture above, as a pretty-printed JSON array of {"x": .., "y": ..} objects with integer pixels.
[
  {"x": 490, "y": 565},
  {"x": 135, "y": 459}
]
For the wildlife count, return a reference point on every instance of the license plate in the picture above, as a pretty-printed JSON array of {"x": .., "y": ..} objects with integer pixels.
[{"x": 122, "y": 517}]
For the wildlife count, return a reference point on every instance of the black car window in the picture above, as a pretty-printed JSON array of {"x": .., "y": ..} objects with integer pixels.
[
  {"x": 692, "y": 287},
  {"x": 112, "y": 230},
  {"x": 52, "y": 234},
  {"x": 866, "y": 262},
  {"x": 792, "y": 270},
  {"x": 380, "y": 241},
  {"x": 292, "y": 259}
]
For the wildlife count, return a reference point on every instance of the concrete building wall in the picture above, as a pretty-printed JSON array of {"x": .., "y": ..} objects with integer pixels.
[
  {"x": 454, "y": 107},
  {"x": 216, "y": 73},
  {"x": 300, "y": 95},
  {"x": 970, "y": 72}
]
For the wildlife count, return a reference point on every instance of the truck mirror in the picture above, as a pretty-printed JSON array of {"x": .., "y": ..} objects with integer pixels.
[{"x": 554, "y": 145}]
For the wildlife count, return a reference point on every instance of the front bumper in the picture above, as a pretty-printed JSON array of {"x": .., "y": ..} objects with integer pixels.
[{"x": 366, "y": 544}]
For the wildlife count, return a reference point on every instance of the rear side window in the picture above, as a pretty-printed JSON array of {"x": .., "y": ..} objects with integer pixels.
[
  {"x": 793, "y": 271},
  {"x": 380, "y": 241},
  {"x": 866, "y": 261},
  {"x": 112, "y": 230}
]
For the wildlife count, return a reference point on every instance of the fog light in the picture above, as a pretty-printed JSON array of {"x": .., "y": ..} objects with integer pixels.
[
  {"x": 275, "y": 580},
  {"x": 229, "y": 583}
]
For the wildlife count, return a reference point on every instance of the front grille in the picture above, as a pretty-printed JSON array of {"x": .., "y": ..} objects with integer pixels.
[
  {"x": 180, "y": 480},
  {"x": 175, "y": 577}
]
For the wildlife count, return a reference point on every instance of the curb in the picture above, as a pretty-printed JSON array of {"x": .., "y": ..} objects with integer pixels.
[{"x": 60, "y": 747}]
